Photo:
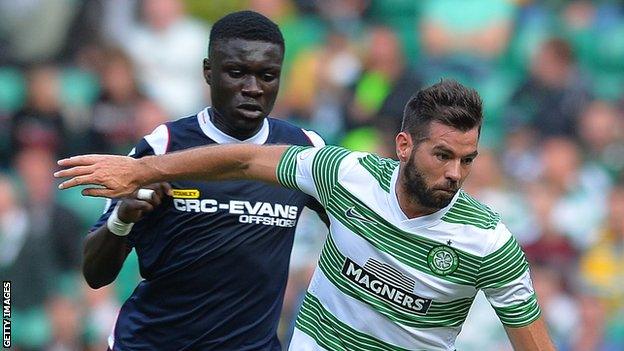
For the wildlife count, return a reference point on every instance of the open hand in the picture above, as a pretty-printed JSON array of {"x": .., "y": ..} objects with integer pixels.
[{"x": 115, "y": 176}]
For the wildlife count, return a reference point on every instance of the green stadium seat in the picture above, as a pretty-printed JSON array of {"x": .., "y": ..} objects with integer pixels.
[
  {"x": 78, "y": 88},
  {"x": 12, "y": 89}
]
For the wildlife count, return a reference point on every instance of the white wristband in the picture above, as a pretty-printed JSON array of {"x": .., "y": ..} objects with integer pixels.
[
  {"x": 145, "y": 194},
  {"x": 116, "y": 226}
]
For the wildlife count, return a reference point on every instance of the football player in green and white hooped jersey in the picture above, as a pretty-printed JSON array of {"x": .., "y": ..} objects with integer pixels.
[{"x": 407, "y": 250}]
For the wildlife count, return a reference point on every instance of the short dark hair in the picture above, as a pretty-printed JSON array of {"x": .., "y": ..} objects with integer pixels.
[
  {"x": 247, "y": 25},
  {"x": 447, "y": 102}
]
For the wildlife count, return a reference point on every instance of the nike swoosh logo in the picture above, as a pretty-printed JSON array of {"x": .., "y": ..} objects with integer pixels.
[{"x": 352, "y": 214}]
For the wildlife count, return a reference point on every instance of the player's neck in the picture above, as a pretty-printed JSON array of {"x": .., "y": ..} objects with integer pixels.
[
  {"x": 410, "y": 206},
  {"x": 223, "y": 124}
]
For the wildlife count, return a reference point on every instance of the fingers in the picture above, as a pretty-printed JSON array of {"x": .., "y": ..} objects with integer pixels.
[
  {"x": 166, "y": 188},
  {"x": 140, "y": 205},
  {"x": 115, "y": 173},
  {"x": 96, "y": 192},
  {"x": 163, "y": 189},
  {"x": 79, "y": 180},
  {"x": 83, "y": 160},
  {"x": 74, "y": 171}
]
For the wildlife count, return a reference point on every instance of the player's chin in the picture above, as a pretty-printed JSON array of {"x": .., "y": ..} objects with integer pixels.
[{"x": 442, "y": 198}]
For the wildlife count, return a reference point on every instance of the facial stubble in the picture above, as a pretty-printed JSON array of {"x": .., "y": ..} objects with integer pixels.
[{"x": 419, "y": 192}]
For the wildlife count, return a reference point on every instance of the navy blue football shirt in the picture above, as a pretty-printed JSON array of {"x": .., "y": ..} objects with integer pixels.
[{"x": 214, "y": 257}]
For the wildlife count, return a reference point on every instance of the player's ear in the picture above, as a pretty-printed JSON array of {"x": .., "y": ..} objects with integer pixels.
[
  {"x": 403, "y": 144},
  {"x": 207, "y": 71}
]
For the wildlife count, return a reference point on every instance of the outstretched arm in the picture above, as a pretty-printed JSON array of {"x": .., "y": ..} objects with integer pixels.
[{"x": 118, "y": 176}]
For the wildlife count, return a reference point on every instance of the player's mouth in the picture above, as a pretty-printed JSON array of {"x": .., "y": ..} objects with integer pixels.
[
  {"x": 250, "y": 110},
  {"x": 447, "y": 190}
]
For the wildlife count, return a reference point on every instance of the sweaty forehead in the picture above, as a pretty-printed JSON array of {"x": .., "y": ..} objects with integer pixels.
[{"x": 247, "y": 51}]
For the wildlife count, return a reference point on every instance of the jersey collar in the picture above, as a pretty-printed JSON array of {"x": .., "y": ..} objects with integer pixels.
[
  {"x": 214, "y": 133},
  {"x": 412, "y": 223}
]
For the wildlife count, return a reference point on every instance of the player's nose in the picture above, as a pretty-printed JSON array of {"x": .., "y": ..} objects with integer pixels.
[
  {"x": 251, "y": 87},
  {"x": 453, "y": 171}
]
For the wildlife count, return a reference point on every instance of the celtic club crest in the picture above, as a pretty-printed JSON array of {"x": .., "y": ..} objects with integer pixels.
[{"x": 442, "y": 260}]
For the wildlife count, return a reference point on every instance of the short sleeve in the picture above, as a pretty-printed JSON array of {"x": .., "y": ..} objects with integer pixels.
[
  {"x": 314, "y": 171},
  {"x": 153, "y": 144},
  {"x": 505, "y": 279}
]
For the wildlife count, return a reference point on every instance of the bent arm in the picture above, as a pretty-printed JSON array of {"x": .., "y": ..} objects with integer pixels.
[
  {"x": 120, "y": 176},
  {"x": 533, "y": 337},
  {"x": 103, "y": 256}
]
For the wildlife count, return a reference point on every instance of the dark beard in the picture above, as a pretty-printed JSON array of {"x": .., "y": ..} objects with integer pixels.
[{"x": 417, "y": 190}]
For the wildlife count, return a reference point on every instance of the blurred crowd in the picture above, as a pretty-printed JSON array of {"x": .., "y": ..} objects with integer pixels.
[{"x": 96, "y": 76}]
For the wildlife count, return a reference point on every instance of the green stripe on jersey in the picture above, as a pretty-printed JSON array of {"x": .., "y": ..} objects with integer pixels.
[
  {"x": 408, "y": 248},
  {"x": 325, "y": 170},
  {"x": 502, "y": 266},
  {"x": 287, "y": 167},
  {"x": 439, "y": 314},
  {"x": 380, "y": 168},
  {"x": 333, "y": 334},
  {"x": 467, "y": 210},
  {"x": 521, "y": 314}
]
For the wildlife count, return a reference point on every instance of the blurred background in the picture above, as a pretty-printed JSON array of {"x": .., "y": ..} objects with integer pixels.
[{"x": 95, "y": 76}]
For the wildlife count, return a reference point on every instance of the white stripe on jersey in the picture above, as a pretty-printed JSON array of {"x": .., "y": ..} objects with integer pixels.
[
  {"x": 362, "y": 317},
  {"x": 159, "y": 139},
  {"x": 504, "y": 296},
  {"x": 316, "y": 139},
  {"x": 302, "y": 342}
]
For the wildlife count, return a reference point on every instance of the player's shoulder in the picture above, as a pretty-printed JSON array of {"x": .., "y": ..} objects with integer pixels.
[
  {"x": 480, "y": 227},
  {"x": 285, "y": 132},
  {"x": 469, "y": 211},
  {"x": 369, "y": 167}
]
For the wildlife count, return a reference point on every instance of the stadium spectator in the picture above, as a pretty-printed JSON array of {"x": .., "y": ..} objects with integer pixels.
[
  {"x": 166, "y": 48},
  {"x": 40, "y": 122},
  {"x": 147, "y": 116},
  {"x": 551, "y": 98},
  {"x": 317, "y": 87},
  {"x": 384, "y": 85},
  {"x": 579, "y": 189},
  {"x": 461, "y": 38},
  {"x": 48, "y": 219},
  {"x": 602, "y": 265},
  {"x": 601, "y": 131},
  {"x": 29, "y": 264},
  {"x": 112, "y": 118}
]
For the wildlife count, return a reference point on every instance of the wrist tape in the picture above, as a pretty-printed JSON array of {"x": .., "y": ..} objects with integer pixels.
[{"x": 116, "y": 226}]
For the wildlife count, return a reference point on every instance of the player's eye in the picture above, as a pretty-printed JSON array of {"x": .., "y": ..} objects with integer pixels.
[
  {"x": 468, "y": 160},
  {"x": 235, "y": 73},
  {"x": 269, "y": 77},
  {"x": 442, "y": 156}
]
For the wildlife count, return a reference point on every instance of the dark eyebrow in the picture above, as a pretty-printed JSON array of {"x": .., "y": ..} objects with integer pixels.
[
  {"x": 473, "y": 154},
  {"x": 449, "y": 151}
]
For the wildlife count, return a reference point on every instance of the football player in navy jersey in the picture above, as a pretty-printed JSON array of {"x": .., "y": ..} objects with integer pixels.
[{"x": 214, "y": 255}]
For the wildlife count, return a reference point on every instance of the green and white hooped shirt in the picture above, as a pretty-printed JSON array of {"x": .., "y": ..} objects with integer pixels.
[{"x": 386, "y": 282}]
